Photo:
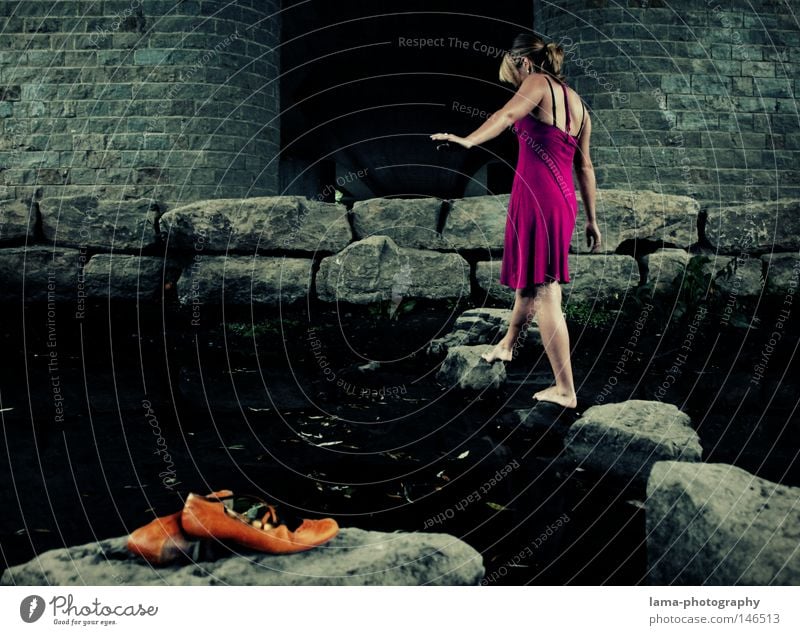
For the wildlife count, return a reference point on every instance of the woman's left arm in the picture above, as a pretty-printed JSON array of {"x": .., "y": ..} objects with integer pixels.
[{"x": 527, "y": 96}]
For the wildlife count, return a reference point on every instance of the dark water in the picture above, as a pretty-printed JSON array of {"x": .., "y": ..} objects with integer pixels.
[{"x": 153, "y": 410}]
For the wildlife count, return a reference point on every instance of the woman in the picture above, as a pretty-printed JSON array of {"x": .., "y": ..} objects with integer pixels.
[{"x": 553, "y": 130}]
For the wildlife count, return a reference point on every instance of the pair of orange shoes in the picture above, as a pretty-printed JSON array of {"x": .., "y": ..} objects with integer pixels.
[{"x": 255, "y": 524}]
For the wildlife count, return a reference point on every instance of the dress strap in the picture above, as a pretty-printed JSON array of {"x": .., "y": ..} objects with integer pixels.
[
  {"x": 582, "y": 117},
  {"x": 566, "y": 107},
  {"x": 553, "y": 95}
]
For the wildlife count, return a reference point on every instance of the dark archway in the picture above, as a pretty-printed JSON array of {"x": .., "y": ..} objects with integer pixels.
[{"x": 363, "y": 84}]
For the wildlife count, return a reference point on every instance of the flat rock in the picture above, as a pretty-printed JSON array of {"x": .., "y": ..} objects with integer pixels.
[
  {"x": 757, "y": 227},
  {"x": 128, "y": 278},
  {"x": 465, "y": 368},
  {"x": 484, "y": 326},
  {"x": 641, "y": 215},
  {"x": 376, "y": 269},
  {"x": 783, "y": 271},
  {"x": 99, "y": 223},
  {"x": 17, "y": 221},
  {"x": 48, "y": 274},
  {"x": 625, "y": 439},
  {"x": 409, "y": 222},
  {"x": 716, "y": 524},
  {"x": 244, "y": 280},
  {"x": 250, "y": 225},
  {"x": 354, "y": 558},
  {"x": 595, "y": 280},
  {"x": 477, "y": 222}
]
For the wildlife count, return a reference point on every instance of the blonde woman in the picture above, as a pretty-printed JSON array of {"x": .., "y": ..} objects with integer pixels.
[{"x": 553, "y": 131}]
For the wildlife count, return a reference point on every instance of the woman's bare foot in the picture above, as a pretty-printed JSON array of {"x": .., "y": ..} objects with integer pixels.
[
  {"x": 499, "y": 352},
  {"x": 568, "y": 400}
]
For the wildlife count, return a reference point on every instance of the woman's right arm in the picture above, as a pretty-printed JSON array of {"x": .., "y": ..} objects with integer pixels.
[{"x": 587, "y": 184}]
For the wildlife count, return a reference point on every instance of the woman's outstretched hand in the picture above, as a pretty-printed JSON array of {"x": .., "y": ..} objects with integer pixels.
[
  {"x": 593, "y": 237},
  {"x": 446, "y": 136}
]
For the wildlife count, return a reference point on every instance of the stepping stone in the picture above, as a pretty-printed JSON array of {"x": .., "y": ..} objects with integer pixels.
[
  {"x": 625, "y": 439},
  {"x": 717, "y": 524},
  {"x": 465, "y": 368}
]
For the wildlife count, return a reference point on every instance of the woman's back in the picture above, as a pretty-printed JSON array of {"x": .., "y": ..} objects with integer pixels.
[{"x": 551, "y": 109}]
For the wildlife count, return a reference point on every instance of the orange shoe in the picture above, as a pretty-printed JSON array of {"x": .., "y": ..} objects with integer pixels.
[
  {"x": 256, "y": 526},
  {"x": 162, "y": 540}
]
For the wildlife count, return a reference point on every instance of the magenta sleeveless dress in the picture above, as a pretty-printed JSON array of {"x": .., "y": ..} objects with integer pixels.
[{"x": 543, "y": 207}]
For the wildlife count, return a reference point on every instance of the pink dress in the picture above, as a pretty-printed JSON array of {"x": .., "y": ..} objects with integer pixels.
[{"x": 543, "y": 207}]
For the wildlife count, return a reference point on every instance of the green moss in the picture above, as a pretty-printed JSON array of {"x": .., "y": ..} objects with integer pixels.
[{"x": 588, "y": 315}]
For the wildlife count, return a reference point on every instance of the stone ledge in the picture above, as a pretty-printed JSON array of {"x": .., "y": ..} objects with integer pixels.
[
  {"x": 99, "y": 223},
  {"x": 640, "y": 215},
  {"x": 477, "y": 222},
  {"x": 250, "y": 225},
  {"x": 244, "y": 280},
  {"x": 597, "y": 279},
  {"x": 123, "y": 277},
  {"x": 758, "y": 227},
  {"x": 354, "y": 558},
  {"x": 408, "y": 222}
]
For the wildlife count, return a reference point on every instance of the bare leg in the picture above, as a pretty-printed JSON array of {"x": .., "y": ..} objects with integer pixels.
[
  {"x": 521, "y": 314},
  {"x": 555, "y": 338}
]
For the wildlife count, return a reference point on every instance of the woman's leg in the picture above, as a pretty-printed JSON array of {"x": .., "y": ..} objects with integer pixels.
[
  {"x": 521, "y": 314},
  {"x": 555, "y": 338}
]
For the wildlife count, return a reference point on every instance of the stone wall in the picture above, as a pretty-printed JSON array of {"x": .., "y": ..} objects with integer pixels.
[
  {"x": 174, "y": 101},
  {"x": 279, "y": 250},
  {"x": 695, "y": 98}
]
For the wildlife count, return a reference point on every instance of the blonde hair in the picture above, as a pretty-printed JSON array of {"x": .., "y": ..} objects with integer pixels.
[{"x": 545, "y": 57}]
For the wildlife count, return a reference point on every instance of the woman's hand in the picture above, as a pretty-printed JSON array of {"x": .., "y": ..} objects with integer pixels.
[
  {"x": 593, "y": 236},
  {"x": 446, "y": 136}
]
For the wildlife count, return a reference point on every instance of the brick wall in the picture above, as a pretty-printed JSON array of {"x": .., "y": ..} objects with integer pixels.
[
  {"x": 687, "y": 97},
  {"x": 174, "y": 100}
]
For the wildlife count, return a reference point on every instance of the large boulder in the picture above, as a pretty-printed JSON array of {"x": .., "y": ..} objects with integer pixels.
[
  {"x": 17, "y": 221},
  {"x": 48, "y": 274},
  {"x": 127, "y": 277},
  {"x": 265, "y": 223},
  {"x": 625, "y": 439},
  {"x": 376, "y": 269},
  {"x": 99, "y": 223},
  {"x": 409, "y": 222},
  {"x": 484, "y": 326},
  {"x": 354, "y": 557},
  {"x": 622, "y": 215},
  {"x": 716, "y": 524},
  {"x": 756, "y": 227},
  {"x": 477, "y": 222},
  {"x": 595, "y": 280},
  {"x": 244, "y": 280},
  {"x": 464, "y": 367}
]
